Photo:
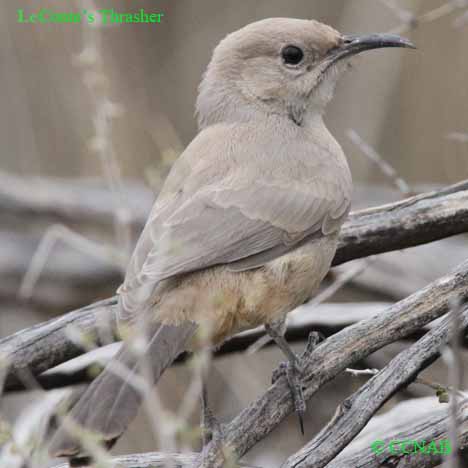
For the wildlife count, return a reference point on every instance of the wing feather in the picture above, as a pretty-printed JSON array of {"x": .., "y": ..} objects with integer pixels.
[
  {"x": 223, "y": 228},
  {"x": 226, "y": 216}
]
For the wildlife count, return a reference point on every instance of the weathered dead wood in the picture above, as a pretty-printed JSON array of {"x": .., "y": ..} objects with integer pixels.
[
  {"x": 433, "y": 427},
  {"x": 413, "y": 221},
  {"x": 354, "y": 412},
  {"x": 152, "y": 460},
  {"x": 339, "y": 352},
  {"x": 46, "y": 345},
  {"x": 325, "y": 319},
  {"x": 74, "y": 201}
]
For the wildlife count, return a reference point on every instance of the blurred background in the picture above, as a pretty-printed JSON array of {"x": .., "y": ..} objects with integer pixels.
[{"x": 92, "y": 117}]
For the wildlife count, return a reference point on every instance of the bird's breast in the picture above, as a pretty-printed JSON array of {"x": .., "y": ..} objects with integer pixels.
[
  {"x": 267, "y": 294},
  {"x": 224, "y": 302}
]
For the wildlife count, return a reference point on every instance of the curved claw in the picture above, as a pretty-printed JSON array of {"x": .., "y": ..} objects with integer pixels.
[
  {"x": 300, "y": 415},
  {"x": 292, "y": 373}
]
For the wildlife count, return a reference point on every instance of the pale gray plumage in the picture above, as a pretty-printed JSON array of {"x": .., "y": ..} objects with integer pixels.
[
  {"x": 264, "y": 199},
  {"x": 246, "y": 225}
]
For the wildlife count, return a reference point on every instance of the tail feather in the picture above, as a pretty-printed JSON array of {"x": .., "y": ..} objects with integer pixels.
[{"x": 112, "y": 400}]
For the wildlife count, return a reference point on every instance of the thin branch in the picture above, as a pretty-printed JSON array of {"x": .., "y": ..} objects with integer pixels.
[
  {"x": 455, "y": 376},
  {"x": 386, "y": 169},
  {"x": 438, "y": 387},
  {"x": 68, "y": 278},
  {"x": 460, "y": 137},
  {"x": 435, "y": 14},
  {"x": 404, "y": 15},
  {"x": 55, "y": 233},
  {"x": 105, "y": 112}
]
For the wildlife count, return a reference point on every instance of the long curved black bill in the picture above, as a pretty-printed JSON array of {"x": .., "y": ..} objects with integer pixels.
[{"x": 354, "y": 44}]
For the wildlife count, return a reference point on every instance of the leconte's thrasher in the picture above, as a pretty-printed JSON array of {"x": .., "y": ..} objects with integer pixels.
[{"x": 246, "y": 225}]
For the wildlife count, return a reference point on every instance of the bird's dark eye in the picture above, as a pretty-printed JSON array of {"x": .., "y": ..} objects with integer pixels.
[{"x": 292, "y": 55}]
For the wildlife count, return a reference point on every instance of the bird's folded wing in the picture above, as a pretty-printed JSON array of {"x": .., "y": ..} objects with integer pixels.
[{"x": 243, "y": 227}]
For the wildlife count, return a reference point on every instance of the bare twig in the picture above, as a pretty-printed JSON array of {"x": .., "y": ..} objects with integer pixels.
[
  {"x": 438, "y": 387},
  {"x": 386, "y": 169},
  {"x": 342, "y": 279},
  {"x": 453, "y": 357},
  {"x": 461, "y": 20},
  {"x": 404, "y": 15},
  {"x": 461, "y": 137},
  {"x": 106, "y": 110},
  {"x": 57, "y": 233},
  {"x": 447, "y": 8}
]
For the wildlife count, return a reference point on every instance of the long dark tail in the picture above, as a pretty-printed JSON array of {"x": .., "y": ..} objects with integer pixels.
[{"x": 111, "y": 401}]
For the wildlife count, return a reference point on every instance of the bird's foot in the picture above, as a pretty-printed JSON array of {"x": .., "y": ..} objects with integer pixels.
[
  {"x": 293, "y": 370},
  {"x": 293, "y": 373}
]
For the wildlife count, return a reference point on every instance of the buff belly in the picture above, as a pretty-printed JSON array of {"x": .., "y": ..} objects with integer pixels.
[{"x": 225, "y": 302}]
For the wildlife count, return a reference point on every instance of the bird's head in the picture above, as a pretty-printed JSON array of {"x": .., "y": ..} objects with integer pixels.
[{"x": 279, "y": 66}]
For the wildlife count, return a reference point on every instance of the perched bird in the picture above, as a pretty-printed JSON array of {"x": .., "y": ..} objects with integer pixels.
[{"x": 246, "y": 225}]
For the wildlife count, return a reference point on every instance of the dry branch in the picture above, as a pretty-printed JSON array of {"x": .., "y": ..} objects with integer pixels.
[
  {"x": 36, "y": 349},
  {"x": 153, "y": 460},
  {"x": 354, "y": 412},
  {"x": 326, "y": 319},
  {"x": 81, "y": 202},
  {"x": 339, "y": 352},
  {"x": 413, "y": 221},
  {"x": 433, "y": 427}
]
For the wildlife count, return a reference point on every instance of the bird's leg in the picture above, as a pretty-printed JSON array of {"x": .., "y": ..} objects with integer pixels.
[
  {"x": 293, "y": 368},
  {"x": 211, "y": 428}
]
